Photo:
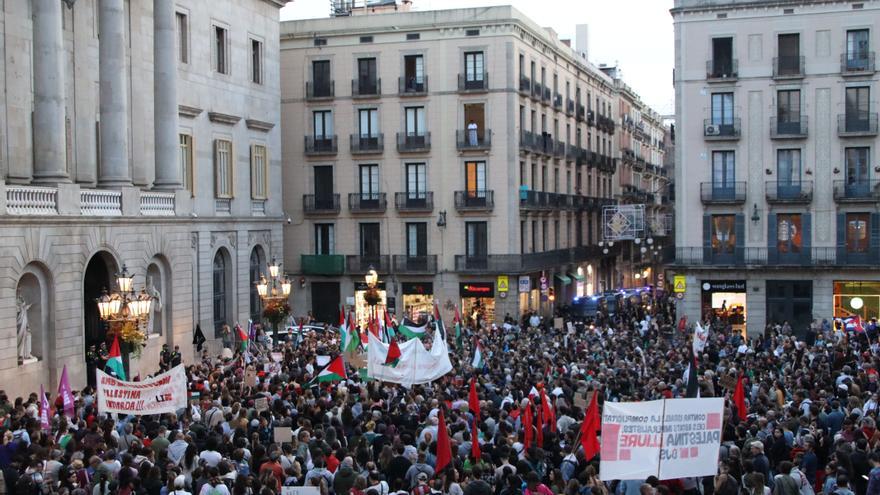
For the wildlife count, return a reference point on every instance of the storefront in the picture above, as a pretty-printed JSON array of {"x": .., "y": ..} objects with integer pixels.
[
  {"x": 855, "y": 297},
  {"x": 362, "y": 309},
  {"x": 477, "y": 301},
  {"x": 418, "y": 300},
  {"x": 725, "y": 299},
  {"x": 791, "y": 301}
]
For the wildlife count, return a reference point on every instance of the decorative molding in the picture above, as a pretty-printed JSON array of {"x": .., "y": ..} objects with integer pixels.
[
  {"x": 223, "y": 118},
  {"x": 218, "y": 238},
  {"x": 262, "y": 237},
  {"x": 188, "y": 111},
  {"x": 259, "y": 125},
  {"x": 195, "y": 240}
]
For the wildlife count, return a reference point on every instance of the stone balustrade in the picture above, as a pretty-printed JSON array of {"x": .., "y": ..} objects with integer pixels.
[
  {"x": 100, "y": 203},
  {"x": 159, "y": 204},
  {"x": 71, "y": 200},
  {"x": 29, "y": 200}
]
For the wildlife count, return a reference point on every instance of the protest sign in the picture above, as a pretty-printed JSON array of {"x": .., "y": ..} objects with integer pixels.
[
  {"x": 165, "y": 393},
  {"x": 250, "y": 377},
  {"x": 673, "y": 438},
  {"x": 283, "y": 434},
  {"x": 277, "y": 357},
  {"x": 300, "y": 490},
  {"x": 261, "y": 404}
]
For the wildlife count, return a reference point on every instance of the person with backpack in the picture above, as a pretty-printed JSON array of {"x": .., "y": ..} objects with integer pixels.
[{"x": 783, "y": 483}]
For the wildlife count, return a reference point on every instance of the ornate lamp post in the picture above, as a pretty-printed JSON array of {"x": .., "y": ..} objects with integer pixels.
[
  {"x": 371, "y": 295},
  {"x": 126, "y": 311},
  {"x": 274, "y": 292}
]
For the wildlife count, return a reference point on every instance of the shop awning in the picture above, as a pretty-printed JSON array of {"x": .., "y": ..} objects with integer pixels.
[
  {"x": 579, "y": 278},
  {"x": 562, "y": 278}
]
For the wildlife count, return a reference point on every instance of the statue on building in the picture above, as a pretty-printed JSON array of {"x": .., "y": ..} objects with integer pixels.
[
  {"x": 155, "y": 309},
  {"x": 24, "y": 329}
]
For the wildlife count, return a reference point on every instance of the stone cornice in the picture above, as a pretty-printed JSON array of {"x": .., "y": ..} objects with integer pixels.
[
  {"x": 188, "y": 111},
  {"x": 259, "y": 125},
  {"x": 223, "y": 118}
]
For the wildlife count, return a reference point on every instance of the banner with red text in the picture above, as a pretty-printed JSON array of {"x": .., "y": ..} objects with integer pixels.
[
  {"x": 673, "y": 438},
  {"x": 165, "y": 393}
]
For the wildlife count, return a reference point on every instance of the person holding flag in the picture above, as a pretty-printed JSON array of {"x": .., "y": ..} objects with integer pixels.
[{"x": 114, "y": 361}]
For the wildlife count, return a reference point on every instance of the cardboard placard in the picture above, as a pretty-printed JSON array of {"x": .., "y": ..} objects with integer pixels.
[
  {"x": 250, "y": 377},
  {"x": 582, "y": 398},
  {"x": 727, "y": 381},
  {"x": 557, "y": 323},
  {"x": 300, "y": 490},
  {"x": 283, "y": 434},
  {"x": 277, "y": 356},
  {"x": 261, "y": 404}
]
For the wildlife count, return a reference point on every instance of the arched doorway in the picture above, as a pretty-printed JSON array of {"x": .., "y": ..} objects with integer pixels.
[
  {"x": 157, "y": 285},
  {"x": 33, "y": 306},
  {"x": 257, "y": 262},
  {"x": 99, "y": 270},
  {"x": 222, "y": 287}
]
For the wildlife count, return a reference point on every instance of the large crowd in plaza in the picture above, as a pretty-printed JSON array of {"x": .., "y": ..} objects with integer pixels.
[{"x": 810, "y": 427}]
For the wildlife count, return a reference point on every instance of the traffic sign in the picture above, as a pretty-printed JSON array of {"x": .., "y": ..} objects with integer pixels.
[
  {"x": 544, "y": 284},
  {"x": 525, "y": 283},
  {"x": 503, "y": 283},
  {"x": 679, "y": 295},
  {"x": 679, "y": 284}
]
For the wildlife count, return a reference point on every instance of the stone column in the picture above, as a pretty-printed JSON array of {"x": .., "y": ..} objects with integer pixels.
[
  {"x": 50, "y": 136},
  {"x": 114, "y": 170},
  {"x": 165, "y": 96}
]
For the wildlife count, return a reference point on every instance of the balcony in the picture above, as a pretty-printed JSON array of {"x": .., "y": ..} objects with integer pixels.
[
  {"x": 413, "y": 143},
  {"x": 525, "y": 85},
  {"x": 579, "y": 112},
  {"x": 537, "y": 91},
  {"x": 558, "y": 149},
  {"x": 413, "y": 202},
  {"x": 320, "y": 145},
  {"x": 536, "y": 200},
  {"x": 591, "y": 118},
  {"x": 364, "y": 145},
  {"x": 366, "y": 88},
  {"x": 771, "y": 258},
  {"x": 473, "y": 84},
  {"x": 322, "y": 264},
  {"x": 412, "y": 86},
  {"x": 569, "y": 107},
  {"x": 856, "y": 191},
  {"x": 788, "y": 129},
  {"x": 857, "y": 64},
  {"x": 327, "y": 204},
  {"x": 712, "y": 193},
  {"x": 546, "y": 96},
  {"x": 367, "y": 202},
  {"x": 323, "y": 91},
  {"x": 571, "y": 152},
  {"x": 557, "y": 101},
  {"x": 788, "y": 67},
  {"x": 474, "y": 200},
  {"x": 789, "y": 192},
  {"x": 361, "y": 264},
  {"x": 722, "y": 70},
  {"x": 526, "y": 140},
  {"x": 405, "y": 264},
  {"x": 863, "y": 124},
  {"x": 464, "y": 141},
  {"x": 521, "y": 263},
  {"x": 725, "y": 131}
]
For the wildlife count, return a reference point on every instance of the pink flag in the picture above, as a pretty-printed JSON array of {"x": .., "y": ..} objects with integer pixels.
[
  {"x": 44, "y": 410},
  {"x": 66, "y": 394}
]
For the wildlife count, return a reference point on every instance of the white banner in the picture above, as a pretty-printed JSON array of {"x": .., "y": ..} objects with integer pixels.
[
  {"x": 165, "y": 393},
  {"x": 672, "y": 438},
  {"x": 416, "y": 365}
]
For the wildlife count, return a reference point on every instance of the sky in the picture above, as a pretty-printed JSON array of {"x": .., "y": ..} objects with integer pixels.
[{"x": 637, "y": 35}]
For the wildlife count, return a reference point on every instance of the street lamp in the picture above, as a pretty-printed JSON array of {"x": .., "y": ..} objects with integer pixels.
[
  {"x": 371, "y": 295},
  {"x": 126, "y": 311},
  {"x": 274, "y": 293}
]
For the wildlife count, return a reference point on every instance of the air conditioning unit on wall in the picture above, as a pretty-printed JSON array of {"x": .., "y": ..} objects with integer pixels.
[{"x": 712, "y": 130}]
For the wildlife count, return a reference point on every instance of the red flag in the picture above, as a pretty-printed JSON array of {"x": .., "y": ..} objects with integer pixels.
[
  {"x": 341, "y": 316},
  {"x": 592, "y": 422},
  {"x": 540, "y": 425},
  {"x": 393, "y": 353},
  {"x": 474, "y": 399},
  {"x": 549, "y": 415},
  {"x": 475, "y": 441},
  {"x": 374, "y": 327},
  {"x": 444, "y": 450},
  {"x": 739, "y": 399},
  {"x": 527, "y": 424}
]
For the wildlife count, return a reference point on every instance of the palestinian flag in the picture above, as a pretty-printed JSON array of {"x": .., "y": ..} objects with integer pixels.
[
  {"x": 411, "y": 331},
  {"x": 393, "y": 356},
  {"x": 387, "y": 327},
  {"x": 244, "y": 338},
  {"x": 334, "y": 372},
  {"x": 114, "y": 362},
  {"x": 478, "y": 362},
  {"x": 353, "y": 341},
  {"x": 457, "y": 322},
  {"x": 438, "y": 322},
  {"x": 343, "y": 329}
]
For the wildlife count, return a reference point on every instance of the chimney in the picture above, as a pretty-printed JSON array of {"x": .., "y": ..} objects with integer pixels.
[{"x": 581, "y": 39}]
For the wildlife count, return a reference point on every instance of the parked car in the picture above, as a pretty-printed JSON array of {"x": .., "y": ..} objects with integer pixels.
[{"x": 293, "y": 330}]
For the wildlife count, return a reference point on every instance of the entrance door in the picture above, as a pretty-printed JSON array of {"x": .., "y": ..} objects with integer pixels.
[
  {"x": 95, "y": 282},
  {"x": 325, "y": 301},
  {"x": 791, "y": 301},
  {"x": 324, "y": 187}
]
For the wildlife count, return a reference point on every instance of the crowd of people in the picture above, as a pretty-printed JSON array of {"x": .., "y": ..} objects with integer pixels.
[{"x": 810, "y": 429}]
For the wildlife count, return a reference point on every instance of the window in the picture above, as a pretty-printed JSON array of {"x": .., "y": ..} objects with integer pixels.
[
  {"x": 416, "y": 181},
  {"x": 722, "y": 109},
  {"x": 475, "y": 179},
  {"x": 369, "y": 240},
  {"x": 223, "y": 166},
  {"x": 857, "y": 173},
  {"x": 325, "y": 241},
  {"x": 723, "y": 234},
  {"x": 322, "y": 125},
  {"x": 415, "y": 121},
  {"x": 789, "y": 47},
  {"x": 219, "y": 294},
  {"x": 413, "y": 36},
  {"x": 723, "y": 172},
  {"x": 857, "y": 107},
  {"x": 788, "y": 167},
  {"x": 321, "y": 83},
  {"x": 367, "y": 79},
  {"x": 722, "y": 57},
  {"x": 368, "y": 123},
  {"x": 366, "y": 39},
  {"x": 256, "y": 273},
  {"x": 221, "y": 52},
  {"x": 857, "y": 46},
  {"x": 324, "y": 196},
  {"x": 523, "y": 240},
  {"x": 477, "y": 242},
  {"x": 414, "y": 74},
  {"x": 369, "y": 182},
  {"x": 789, "y": 234},
  {"x": 187, "y": 173},
  {"x": 555, "y": 234},
  {"x": 182, "y": 38},
  {"x": 474, "y": 70},
  {"x": 544, "y": 235},
  {"x": 857, "y": 232},
  {"x": 256, "y": 61},
  {"x": 534, "y": 236},
  {"x": 416, "y": 239},
  {"x": 788, "y": 111},
  {"x": 259, "y": 172}
]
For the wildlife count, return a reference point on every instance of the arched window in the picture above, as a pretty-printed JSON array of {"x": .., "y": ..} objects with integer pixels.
[
  {"x": 258, "y": 261},
  {"x": 220, "y": 287},
  {"x": 32, "y": 325}
]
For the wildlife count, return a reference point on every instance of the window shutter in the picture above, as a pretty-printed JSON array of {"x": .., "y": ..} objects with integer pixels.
[
  {"x": 841, "y": 238},
  {"x": 254, "y": 175},
  {"x": 707, "y": 240},
  {"x": 217, "y": 171},
  {"x": 875, "y": 238},
  {"x": 772, "y": 234},
  {"x": 740, "y": 230},
  {"x": 806, "y": 238}
]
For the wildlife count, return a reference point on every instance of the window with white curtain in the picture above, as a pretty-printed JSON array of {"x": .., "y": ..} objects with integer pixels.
[
  {"x": 223, "y": 168},
  {"x": 415, "y": 121},
  {"x": 259, "y": 172}
]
